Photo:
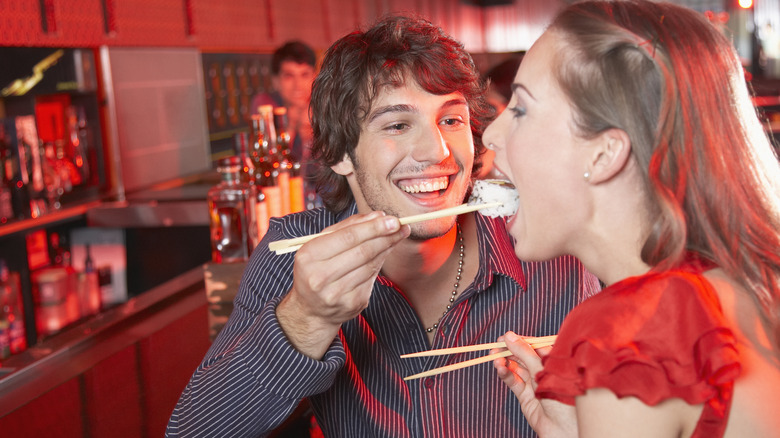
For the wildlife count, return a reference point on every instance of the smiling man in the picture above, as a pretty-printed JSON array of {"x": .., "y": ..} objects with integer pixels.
[{"x": 397, "y": 113}]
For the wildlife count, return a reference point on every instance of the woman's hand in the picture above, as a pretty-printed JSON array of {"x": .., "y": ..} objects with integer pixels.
[{"x": 549, "y": 418}]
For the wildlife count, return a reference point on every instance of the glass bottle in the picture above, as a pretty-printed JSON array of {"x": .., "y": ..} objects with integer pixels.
[
  {"x": 5, "y": 331},
  {"x": 277, "y": 162},
  {"x": 13, "y": 178},
  {"x": 11, "y": 288},
  {"x": 232, "y": 214},
  {"x": 288, "y": 161},
  {"x": 248, "y": 175},
  {"x": 6, "y": 202},
  {"x": 88, "y": 286},
  {"x": 266, "y": 174}
]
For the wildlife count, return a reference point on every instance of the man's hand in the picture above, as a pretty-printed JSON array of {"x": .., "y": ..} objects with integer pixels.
[{"x": 333, "y": 277}]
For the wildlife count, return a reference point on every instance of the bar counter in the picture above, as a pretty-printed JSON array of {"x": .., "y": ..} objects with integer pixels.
[{"x": 118, "y": 373}]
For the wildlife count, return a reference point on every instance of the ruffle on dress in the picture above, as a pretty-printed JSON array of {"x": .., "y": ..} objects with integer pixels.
[{"x": 653, "y": 337}]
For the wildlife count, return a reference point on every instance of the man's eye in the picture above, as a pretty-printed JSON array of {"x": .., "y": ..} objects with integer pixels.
[
  {"x": 396, "y": 127},
  {"x": 453, "y": 121}
]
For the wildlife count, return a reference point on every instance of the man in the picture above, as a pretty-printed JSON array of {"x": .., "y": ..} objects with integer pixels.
[
  {"x": 397, "y": 113},
  {"x": 293, "y": 67}
]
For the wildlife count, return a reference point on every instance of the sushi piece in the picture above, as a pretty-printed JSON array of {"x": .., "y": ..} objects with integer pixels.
[{"x": 492, "y": 190}]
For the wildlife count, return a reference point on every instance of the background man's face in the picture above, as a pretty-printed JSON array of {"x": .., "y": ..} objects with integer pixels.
[{"x": 294, "y": 83}]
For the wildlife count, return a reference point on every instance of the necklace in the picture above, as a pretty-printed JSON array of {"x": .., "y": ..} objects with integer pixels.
[{"x": 457, "y": 282}]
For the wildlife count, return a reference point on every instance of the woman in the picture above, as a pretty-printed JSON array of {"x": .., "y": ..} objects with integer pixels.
[{"x": 633, "y": 145}]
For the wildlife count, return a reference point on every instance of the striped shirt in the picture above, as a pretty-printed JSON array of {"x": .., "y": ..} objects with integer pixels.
[{"x": 252, "y": 378}]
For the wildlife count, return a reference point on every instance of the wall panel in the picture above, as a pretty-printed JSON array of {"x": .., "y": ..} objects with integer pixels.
[
  {"x": 20, "y": 23},
  {"x": 257, "y": 25},
  {"x": 113, "y": 402},
  {"x": 344, "y": 16},
  {"x": 239, "y": 25},
  {"x": 149, "y": 23},
  {"x": 55, "y": 413},
  {"x": 299, "y": 19}
]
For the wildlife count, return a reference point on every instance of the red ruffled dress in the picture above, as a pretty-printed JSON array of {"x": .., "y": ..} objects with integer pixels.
[{"x": 657, "y": 336}]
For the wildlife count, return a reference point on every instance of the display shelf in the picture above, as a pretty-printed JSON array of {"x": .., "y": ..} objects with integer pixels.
[{"x": 47, "y": 219}]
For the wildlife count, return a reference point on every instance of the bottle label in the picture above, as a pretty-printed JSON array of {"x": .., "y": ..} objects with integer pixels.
[
  {"x": 5, "y": 346},
  {"x": 284, "y": 188},
  {"x": 297, "y": 202},
  {"x": 261, "y": 214},
  {"x": 273, "y": 197},
  {"x": 17, "y": 340}
]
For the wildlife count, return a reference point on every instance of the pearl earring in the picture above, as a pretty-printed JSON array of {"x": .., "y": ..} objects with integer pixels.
[{"x": 587, "y": 175}]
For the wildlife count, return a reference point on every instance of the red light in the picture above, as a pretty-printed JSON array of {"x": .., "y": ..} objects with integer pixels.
[{"x": 745, "y": 4}]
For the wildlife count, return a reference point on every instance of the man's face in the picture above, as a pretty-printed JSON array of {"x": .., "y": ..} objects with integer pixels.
[
  {"x": 294, "y": 83},
  {"x": 414, "y": 155}
]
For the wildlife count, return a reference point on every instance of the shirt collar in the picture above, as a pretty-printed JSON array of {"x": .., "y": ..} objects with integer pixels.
[{"x": 496, "y": 253}]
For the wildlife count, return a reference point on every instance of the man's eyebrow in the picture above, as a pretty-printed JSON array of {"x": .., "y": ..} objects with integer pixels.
[
  {"x": 516, "y": 87},
  {"x": 455, "y": 102},
  {"x": 400, "y": 108},
  {"x": 406, "y": 108}
]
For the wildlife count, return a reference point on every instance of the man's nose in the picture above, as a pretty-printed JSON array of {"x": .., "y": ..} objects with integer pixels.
[{"x": 431, "y": 146}]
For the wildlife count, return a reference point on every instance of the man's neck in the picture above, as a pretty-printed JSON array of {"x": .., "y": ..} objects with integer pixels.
[{"x": 425, "y": 271}]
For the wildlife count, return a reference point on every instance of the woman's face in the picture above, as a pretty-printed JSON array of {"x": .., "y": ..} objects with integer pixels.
[{"x": 536, "y": 148}]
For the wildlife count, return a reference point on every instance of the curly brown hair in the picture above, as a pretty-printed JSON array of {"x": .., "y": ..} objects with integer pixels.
[{"x": 358, "y": 65}]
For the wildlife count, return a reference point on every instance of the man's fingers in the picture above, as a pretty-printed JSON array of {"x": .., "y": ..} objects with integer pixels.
[{"x": 351, "y": 233}]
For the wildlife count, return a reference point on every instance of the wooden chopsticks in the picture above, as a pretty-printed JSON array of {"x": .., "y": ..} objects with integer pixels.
[
  {"x": 290, "y": 245},
  {"x": 535, "y": 342}
]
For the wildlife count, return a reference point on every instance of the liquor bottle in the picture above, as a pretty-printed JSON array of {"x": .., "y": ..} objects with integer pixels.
[
  {"x": 61, "y": 259},
  {"x": 88, "y": 289},
  {"x": 288, "y": 161},
  {"x": 10, "y": 284},
  {"x": 5, "y": 331},
  {"x": 6, "y": 203},
  {"x": 248, "y": 175},
  {"x": 50, "y": 293},
  {"x": 282, "y": 173},
  {"x": 5, "y": 339},
  {"x": 13, "y": 179},
  {"x": 266, "y": 175},
  {"x": 232, "y": 215},
  {"x": 242, "y": 151},
  {"x": 80, "y": 155}
]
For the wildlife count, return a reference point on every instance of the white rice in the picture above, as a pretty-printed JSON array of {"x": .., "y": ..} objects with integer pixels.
[{"x": 492, "y": 190}]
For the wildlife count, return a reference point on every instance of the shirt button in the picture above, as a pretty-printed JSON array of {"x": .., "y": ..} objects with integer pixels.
[
  {"x": 444, "y": 329},
  {"x": 429, "y": 382}
]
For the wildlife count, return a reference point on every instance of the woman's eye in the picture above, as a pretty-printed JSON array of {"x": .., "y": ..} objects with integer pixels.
[{"x": 517, "y": 111}]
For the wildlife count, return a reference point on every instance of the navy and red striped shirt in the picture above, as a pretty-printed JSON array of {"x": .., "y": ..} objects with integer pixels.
[{"x": 252, "y": 378}]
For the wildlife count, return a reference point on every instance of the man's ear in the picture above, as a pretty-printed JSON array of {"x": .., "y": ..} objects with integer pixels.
[
  {"x": 344, "y": 167},
  {"x": 610, "y": 155}
]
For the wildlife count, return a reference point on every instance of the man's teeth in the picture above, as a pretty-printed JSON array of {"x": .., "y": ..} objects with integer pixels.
[{"x": 427, "y": 186}]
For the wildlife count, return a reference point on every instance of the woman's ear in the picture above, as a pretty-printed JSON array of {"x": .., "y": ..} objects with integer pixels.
[
  {"x": 611, "y": 154},
  {"x": 344, "y": 167}
]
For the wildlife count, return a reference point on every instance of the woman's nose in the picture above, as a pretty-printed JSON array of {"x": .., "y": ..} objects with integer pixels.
[{"x": 490, "y": 137}]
